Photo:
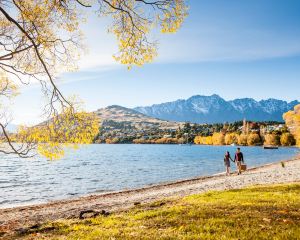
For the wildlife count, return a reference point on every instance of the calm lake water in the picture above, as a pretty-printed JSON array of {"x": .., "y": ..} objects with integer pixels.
[{"x": 103, "y": 168}]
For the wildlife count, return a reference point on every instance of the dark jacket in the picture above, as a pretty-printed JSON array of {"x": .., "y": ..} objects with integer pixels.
[{"x": 239, "y": 157}]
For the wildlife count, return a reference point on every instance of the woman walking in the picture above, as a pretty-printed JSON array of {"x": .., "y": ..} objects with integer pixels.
[{"x": 227, "y": 159}]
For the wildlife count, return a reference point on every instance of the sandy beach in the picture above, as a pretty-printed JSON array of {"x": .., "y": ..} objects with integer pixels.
[{"x": 19, "y": 218}]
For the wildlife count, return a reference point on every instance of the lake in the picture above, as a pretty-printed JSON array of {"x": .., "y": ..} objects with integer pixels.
[{"x": 104, "y": 168}]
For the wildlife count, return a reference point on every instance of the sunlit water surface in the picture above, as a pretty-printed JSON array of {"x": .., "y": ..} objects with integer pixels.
[{"x": 103, "y": 168}]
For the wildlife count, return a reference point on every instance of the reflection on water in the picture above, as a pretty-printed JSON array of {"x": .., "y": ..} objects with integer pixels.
[{"x": 102, "y": 168}]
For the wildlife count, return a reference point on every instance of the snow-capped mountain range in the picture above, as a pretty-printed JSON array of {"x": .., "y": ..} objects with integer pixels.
[{"x": 214, "y": 109}]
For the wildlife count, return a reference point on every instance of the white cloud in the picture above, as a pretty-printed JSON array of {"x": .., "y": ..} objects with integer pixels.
[{"x": 221, "y": 45}]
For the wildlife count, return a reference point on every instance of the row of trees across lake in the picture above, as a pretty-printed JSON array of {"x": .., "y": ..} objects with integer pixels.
[
  {"x": 251, "y": 139},
  {"x": 245, "y": 133}
]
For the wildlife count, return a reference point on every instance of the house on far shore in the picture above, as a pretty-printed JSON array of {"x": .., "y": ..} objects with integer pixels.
[
  {"x": 271, "y": 128},
  {"x": 167, "y": 136}
]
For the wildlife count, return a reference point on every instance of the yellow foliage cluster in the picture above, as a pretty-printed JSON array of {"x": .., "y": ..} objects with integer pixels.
[
  {"x": 229, "y": 138},
  {"x": 46, "y": 22},
  {"x": 69, "y": 129},
  {"x": 173, "y": 18},
  {"x": 287, "y": 139},
  {"x": 203, "y": 140},
  {"x": 218, "y": 139},
  {"x": 272, "y": 139},
  {"x": 133, "y": 24},
  {"x": 292, "y": 120},
  {"x": 243, "y": 139},
  {"x": 133, "y": 47},
  {"x": 253, "y": 139}
]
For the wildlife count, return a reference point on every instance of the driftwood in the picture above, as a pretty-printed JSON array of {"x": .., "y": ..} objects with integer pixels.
[{"x": 92, "y": 213}]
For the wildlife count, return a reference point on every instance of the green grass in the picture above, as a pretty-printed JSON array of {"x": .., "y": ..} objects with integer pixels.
[{"x": 264, "y": 212}]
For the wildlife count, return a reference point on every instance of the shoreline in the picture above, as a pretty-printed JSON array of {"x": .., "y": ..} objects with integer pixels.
[{"x": 13, "y": 219}]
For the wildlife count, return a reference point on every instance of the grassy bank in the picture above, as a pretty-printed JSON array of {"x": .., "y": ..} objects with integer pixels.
[{"x": 265, "y": 212}]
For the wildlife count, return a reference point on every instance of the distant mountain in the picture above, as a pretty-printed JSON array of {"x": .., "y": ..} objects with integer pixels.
[
  {"x": 128, "y": 121},
  {"x": 214, "y": 109}
]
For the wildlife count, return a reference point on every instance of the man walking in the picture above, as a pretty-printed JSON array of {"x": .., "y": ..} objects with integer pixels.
[{"x": 239, "y": 159}]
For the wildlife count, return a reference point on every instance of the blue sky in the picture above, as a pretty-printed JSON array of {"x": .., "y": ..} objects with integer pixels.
[{"x": 234, "y": 48}]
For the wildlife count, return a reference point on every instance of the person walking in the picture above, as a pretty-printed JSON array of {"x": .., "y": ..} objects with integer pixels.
[
  {"x": 227, "y": 159},
  {"x": 239, "y": 159}
]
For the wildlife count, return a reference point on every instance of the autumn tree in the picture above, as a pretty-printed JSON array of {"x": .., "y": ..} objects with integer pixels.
[
  {"x": 41, "y": 39},
  {"x": 272, "y": 139},
  {"x": 253, "y": 139},
  {"x": 218, "y": 139},
  {"x": 242, "y": 139},
  {"x": 231, "y": 138},
  {"x": 287, "y": 139},
  {"x": 292, "y": 120},
  {"x": 203, "y": 140},
  {"x": 198, "y": 140}
]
